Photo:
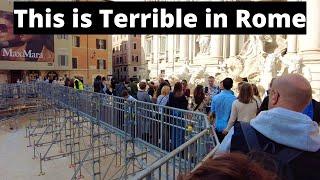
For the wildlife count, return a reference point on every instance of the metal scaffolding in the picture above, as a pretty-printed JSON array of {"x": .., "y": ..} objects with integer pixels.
[{"x": 108, "y": 137}]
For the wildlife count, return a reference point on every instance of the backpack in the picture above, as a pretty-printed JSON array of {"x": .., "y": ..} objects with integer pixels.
[{"x": 280, "y": 160}]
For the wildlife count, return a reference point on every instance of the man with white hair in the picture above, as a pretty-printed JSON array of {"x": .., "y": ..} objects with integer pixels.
[{"x": 283, "y": 131}]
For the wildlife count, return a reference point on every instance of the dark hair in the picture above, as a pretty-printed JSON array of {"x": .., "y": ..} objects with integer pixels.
[
  {"x": 198, "y": 94},
  {"x": 104, "y": 78},
  {"x": 245, "y": 93},
  {"x": 98, "y": 78},
  {"x": 245, "y": 79},
  {"x": 255, "y": 90},
  {"x": 142, "y": 85},
  {"x": 184, "y": 81},
  {"x": 227, "y": 83},
  {"x": 168, "y": 83},
  {"x": 231, "y": 166},
  {"x": 125, "y": 93},
  {"x": 177, "y": 90}
]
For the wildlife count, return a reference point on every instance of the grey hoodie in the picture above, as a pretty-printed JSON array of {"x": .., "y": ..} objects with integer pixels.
[{"x": 286, "y": 127}]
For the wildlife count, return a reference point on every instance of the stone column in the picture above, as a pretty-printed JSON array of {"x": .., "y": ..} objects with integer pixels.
[
  {"x": 216, "y": 45},
  {"x": 309, "y": 47},
  {"x": 292, "y": 44},
  {"x": 234, "y": 45},
  {"x": 184, "y": 48},
  {"x": 311, "y": 41},
  {"x": 226, "y": 46}
]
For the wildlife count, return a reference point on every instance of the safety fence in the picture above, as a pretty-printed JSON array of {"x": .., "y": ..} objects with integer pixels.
[{"x": 177, "y": 139}]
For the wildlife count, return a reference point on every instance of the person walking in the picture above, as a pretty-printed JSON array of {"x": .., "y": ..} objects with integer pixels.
[
  {"x": 221, "y": 106},
  {"x": 177, "y": 99},
  {"x": 244, "y": 108}
]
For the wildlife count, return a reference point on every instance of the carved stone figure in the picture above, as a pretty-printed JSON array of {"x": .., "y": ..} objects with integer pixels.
[
  {"x": 281, "y": 45},
  {"x": 268, "y": 70},
  {"x": 231, "y": 67},
  {"x": 198, "y": 76},
  {"x": 290, "y": 63},
  {"x": 254, "y": 46},
  {"x": 307, "y": 73},
  {"x": 203, "y": 42},
  {"x": 184, "y": 72}
]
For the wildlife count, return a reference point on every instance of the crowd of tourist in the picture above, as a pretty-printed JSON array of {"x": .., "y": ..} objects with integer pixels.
[
  {"x": 281, "y": 129},
  {"x": 270, "y": 136}
]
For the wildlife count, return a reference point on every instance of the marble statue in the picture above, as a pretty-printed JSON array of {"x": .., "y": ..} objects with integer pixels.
[
  {"x": 290, "y": 64},
  {"x": 281, "y": 45},
  {"x": 184, "y": 72},
  {"x": 198, "y": 77},
  {"x": 254, "y": 46},
  {"x": 268, "y": 70},
  {"x": 204, "y": 42},
  {"x": 306, "y": 72}
]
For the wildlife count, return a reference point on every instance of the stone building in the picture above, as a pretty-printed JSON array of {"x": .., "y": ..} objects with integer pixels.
[
  {"x": 91, "y": 56},
  {"x": 256, "y": 57},
  {"x": 72, "y": 55},
  {"x": 126, "y": 56}
]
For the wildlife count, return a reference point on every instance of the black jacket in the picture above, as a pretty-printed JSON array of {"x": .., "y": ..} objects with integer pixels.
[{"x": 305, "y": 166}]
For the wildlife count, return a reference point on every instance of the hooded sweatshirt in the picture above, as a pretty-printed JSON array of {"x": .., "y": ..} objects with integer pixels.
[{"x": 283, "y": 126}]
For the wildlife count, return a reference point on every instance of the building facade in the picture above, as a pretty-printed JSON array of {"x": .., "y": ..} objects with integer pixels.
[
  {"x": 91, "y": 56},
  {"x": 59, "y": 56},
  {"x": 126, "y": 57},
  {"x": 239, "y": 56}
]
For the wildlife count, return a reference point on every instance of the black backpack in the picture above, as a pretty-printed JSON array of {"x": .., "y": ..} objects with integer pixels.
[{"x": 278, "y": 162}]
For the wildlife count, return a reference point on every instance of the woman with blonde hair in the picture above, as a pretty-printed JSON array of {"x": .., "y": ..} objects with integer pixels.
[
  {"x": 244, "y": 108},
  {"x": 164, "y": 97}
]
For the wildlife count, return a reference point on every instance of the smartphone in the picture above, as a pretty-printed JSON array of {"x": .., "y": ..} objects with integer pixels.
[
  {"x": 3, "y": 28},
  {"x": 206, "y": 90}
]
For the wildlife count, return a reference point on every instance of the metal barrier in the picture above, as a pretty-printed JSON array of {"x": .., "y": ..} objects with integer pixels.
[
  {"x": 183, "y": 159},
  {"x": 176, "y": 138}
]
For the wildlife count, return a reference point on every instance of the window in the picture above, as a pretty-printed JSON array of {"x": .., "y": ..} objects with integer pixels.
[
  {"x": 163, "y": 44},
  {"x": 124, "y": 69},
  {"x": 132, "y": 58},
  {"x": 125, "y": 46},
  {"x": 63, "y": 60},
  {"x": 76, "y": 41},
  {"x": 121, "y": 48},
  {"x": 121, "y": 60},
  {"x": 134, "y": 68},
  {"x": 162, "y": 71},
  {"x": 74, "y": 63},
  {"x": 62, "y": 36},
  {"x": 113, "y": 50},
  {"x": 101, "y": 44},
  {"x": 134, "y": 45},
  {"x": 137, "y": 58},
  {"x": 117, "y": 60},
  {"x": 101, "y": 64}
]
